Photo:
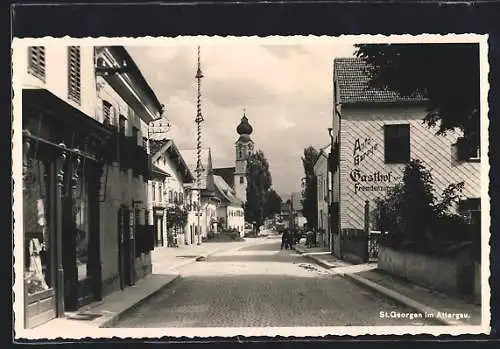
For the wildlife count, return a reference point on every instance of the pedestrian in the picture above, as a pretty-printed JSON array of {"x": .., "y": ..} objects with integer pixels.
[{"x": 284, "y": 238}]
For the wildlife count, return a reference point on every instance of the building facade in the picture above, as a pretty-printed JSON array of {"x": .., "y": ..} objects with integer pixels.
[
  {"x": 85, "y": 231},
  {"x": 323, "y": 198},
  {"x": 202, "y": 200},
  {"x": 168, "y": 194},
  {"x": 376, "y": 133},
  {"x": 230, "y": 212}
]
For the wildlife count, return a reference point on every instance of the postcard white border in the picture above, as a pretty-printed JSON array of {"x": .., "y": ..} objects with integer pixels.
[{"x": 18, "y": 306}]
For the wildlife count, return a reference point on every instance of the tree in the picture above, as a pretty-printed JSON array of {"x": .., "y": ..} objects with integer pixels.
[
  {"x": 413, "y": 212},
  {"x": 447, "y": 75},
  {"x": 309, "y": 194},
  {"x": 272, "y": 204},
  {"x": 258, "y": 183}
]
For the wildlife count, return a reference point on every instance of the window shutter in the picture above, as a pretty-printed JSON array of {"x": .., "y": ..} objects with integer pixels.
[
  {"x": 74, "y": 78},
  {"x": 36, "y": 61},
  {"x": 106, "y": 112}
]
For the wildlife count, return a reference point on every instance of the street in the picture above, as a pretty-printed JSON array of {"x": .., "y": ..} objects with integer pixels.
[{"x": 255, "y": 284}]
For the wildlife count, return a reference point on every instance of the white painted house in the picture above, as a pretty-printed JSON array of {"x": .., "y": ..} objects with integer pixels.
[
  {"x": 201, "y": 219},
  {"x": 167, "y": 192},
  {"x": 376, "y": 133},
  {"x": 323, "y": 185},
  {"x": 84, "y": 202},
  {"x": 230, "y": 210}
]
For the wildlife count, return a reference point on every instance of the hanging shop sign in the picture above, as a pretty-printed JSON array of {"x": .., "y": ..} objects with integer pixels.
[{"x": 372, "y": 181}]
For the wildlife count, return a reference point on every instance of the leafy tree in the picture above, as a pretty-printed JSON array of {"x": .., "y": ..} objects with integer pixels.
[
  {"x": 309, "y": 194},
  {"x": 258, "y": 183},
  {"x": 272, "y": 204},
  {"x": 447, "y": 75}
]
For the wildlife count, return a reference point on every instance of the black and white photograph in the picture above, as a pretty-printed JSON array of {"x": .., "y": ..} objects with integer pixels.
[{"x": 279, "y": 186}]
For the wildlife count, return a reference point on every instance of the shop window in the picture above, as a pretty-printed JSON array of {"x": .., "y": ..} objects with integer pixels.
[
  {"x": 397, "y": 143},
  {"x": 74, "y": 74},
  {"x": 36, "y": 61},
  {"x": 37, "y": 267}
]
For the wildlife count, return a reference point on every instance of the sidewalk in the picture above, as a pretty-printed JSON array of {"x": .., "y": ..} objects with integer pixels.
[
  {"x": 417, "y": 298},
  {"x": 108, "y": 312}
]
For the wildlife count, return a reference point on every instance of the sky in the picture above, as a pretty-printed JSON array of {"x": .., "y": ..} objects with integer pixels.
[{"x": 285, "y": 87}]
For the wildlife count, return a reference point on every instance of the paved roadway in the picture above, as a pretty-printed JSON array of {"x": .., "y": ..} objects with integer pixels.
[{"x": 255, "y": 284}]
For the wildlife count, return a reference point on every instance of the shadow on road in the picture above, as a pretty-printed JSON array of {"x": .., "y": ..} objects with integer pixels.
[{"x": 277, "y": 257}]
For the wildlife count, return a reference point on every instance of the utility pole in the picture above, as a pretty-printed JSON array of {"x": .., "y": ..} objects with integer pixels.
[{"x": 198, "y": 120}]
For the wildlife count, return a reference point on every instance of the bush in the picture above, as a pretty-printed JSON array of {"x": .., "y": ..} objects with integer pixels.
[{"x": 414, "y": 217}]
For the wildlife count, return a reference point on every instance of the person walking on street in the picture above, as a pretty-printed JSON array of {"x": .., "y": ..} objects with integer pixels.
[{"x": 284, "y": 238}]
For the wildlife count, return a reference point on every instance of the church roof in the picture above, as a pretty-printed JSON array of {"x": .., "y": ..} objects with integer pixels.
[
  {"x": 225, "y": 192},
  {"x": 244, "y": 127},
  {"x": 227, "y": 173}
]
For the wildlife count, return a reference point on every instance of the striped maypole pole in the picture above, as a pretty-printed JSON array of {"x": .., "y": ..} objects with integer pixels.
[{"x": 198, "y": 120}]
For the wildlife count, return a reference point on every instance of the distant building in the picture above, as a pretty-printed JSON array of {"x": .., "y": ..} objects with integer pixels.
[
  {"x": 296, "y": 199},
  {"x": 323, "y": 197},
  {"x": 376, "y": 133},
  {"x": 230, "y": 211},
  {"x": 167, "y": 199},
  {"x": 206, "y": 214}
]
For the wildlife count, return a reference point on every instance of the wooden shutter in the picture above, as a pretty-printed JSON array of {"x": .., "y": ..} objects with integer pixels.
[
  {"x": 36, "y": 61},
  {"x": 74, "y": 78}
]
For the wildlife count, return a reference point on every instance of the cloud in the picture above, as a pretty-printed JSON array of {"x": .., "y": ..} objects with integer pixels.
[{"x": 285, "y": 88}]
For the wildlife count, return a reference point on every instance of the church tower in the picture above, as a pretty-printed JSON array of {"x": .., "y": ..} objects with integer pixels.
[{"x": 244, "y": 147}]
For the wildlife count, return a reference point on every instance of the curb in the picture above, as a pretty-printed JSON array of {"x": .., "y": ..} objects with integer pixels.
[
  {"x": 401, "y": 299},
  {"x": 118, "y": 316},
  {"x": 315, "y": 259}
]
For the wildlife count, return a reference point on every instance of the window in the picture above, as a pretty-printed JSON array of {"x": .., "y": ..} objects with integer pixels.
[
  {"x": 471, "y": 210},
  {"x": 397, "y": 143},
  {"x": 106, "y": 112},
  {"x": 160, "y": 192},
  {"x": 74, "y": 74},
  {"x": 121, "y": 124},
  {"x": 242, "y": 179},
  {"x": 36, "y": 61},
  {"x": 154, "y": 192},
  {"x": 181, "y": 198},
  {"x": 170, "y": 196},
  {"x": 135, "y": 133},
  {"x": 466, "y": 151}
]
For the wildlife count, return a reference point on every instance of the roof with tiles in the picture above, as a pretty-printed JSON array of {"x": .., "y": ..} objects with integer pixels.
[
  {"x": 353, "y": 85},
  {"x": 225, "y": 192},
  {"x": 227, "y": 173}
]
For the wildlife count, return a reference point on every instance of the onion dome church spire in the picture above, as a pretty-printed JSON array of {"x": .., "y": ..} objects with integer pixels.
[{"x": 244, "y": 128}]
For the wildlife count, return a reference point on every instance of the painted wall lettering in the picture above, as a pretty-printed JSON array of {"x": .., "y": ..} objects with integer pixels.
[
  {"x": 363, "y": 148},
  {"x": 372, "y": 181}
]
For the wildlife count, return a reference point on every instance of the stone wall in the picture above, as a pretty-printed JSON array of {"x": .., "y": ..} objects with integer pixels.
[{"x": 450, "y": 274}]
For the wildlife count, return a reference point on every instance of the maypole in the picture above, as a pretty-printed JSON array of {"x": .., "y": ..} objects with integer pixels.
[{"x": 198, "y": 120}]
